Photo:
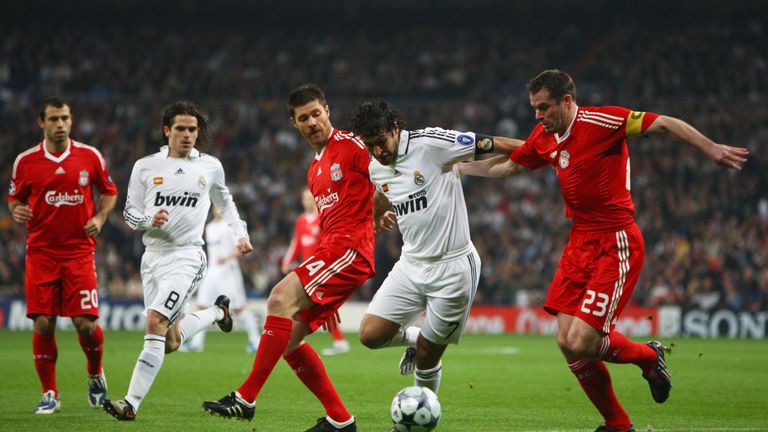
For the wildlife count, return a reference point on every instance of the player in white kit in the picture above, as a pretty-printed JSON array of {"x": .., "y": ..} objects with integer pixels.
[
  {"x": 169, "y": 196},
  {"x": 439, "y": 269},
  {"x": 224, "y": 277}
]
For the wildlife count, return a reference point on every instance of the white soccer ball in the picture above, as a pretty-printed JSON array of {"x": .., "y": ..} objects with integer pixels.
[{"x": 415, "y": 409}]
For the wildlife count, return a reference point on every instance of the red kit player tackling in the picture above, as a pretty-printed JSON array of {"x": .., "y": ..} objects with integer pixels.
[
  {"x": 306, "y": 235},
  {"x": 311, "y": 294},
  {"x": 601, "y": 263},
  {"x": 51, "y": 192}
]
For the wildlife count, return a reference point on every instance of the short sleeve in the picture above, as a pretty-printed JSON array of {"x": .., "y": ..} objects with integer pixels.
[
  {"x": 526, "y": 155},
  {"x": 19, "y": 188}
]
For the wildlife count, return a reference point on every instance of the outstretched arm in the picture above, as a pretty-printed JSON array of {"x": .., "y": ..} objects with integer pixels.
[
  {"x": 506, "y": 145},
  {"x": 721, "y": 154},
  {"x": 498, "y": 166}
]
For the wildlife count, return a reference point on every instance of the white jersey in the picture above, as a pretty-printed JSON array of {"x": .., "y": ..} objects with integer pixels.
[
  {"x": 429, "y": 203},
  {"x": 220, "y": 243},
  {"x": 185, "y": 187}
]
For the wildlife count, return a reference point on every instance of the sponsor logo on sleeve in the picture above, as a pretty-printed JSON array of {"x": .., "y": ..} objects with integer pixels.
[
  {"x": 485, "y": 144},
  {"x": 465, "y": 139}
]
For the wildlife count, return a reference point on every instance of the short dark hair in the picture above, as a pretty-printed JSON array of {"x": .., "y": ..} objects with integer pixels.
[
  {"x": 53, "y": 101},
  {"x": 373, "y": 118},
  {"x": 557, "y": 82},
  {"x": 303, "y": 95},
  {"x": 186, "y": 108}
]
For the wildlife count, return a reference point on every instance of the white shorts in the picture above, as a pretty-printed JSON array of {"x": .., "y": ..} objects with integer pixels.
[
  {"x": 227, "y": 280},
  {"x": 445, "y": 290},
  {"x": 170, "y": 279}
]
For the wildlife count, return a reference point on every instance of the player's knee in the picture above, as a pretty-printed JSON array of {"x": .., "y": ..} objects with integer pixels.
[
  {"x": 84, "y": 326},
  {"x": 582, "y": 347},
  {"x": 44, "y": 324},
  {"x": 371, "y": 340}
]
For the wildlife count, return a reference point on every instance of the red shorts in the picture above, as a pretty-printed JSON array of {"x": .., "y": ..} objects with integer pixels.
[
  {"x": 330, "y": 276},
  {"x": 61, "y": 287},
  {"x": 596, "y": 275}
]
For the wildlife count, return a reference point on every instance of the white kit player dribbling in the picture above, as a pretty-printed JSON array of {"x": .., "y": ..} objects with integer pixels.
[
  {"x": 224, "y": 277},
  {"x": 439, "y": 268},
  {"x": 169, "y": 196}
]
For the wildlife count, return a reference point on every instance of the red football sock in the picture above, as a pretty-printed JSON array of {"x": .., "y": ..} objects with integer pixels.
[
  {"x": 274, "y": 339},
  {"x": 596, "y": 383},
  {"x": 310, "y": 370},
  {"x": 616, "y": 348},
  {"x": 93, "y": 347},
  {"x": 336, "y": 333},
  {"x": 45, "y": 353}
]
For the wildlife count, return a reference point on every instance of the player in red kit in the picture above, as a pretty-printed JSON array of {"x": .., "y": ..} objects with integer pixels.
[
  {"x": 306, "y": 233},
  {"x": 601, "y": 263},
  {"x": 51, "y": 191},
  {"x": 310, "y": 295}
]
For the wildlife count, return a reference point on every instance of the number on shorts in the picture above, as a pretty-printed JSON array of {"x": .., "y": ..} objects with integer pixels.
[
  {"x": 314, "y": 267},
  {"x": 455, "y": 325},
  {"x": 173, "y": 297},
  {"x": 90, "y": 299},
  {"x": 601, "y": 303}
]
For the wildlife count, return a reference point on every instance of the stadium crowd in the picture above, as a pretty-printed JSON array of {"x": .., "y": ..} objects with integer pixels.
[{"x": 706, "y": 235}]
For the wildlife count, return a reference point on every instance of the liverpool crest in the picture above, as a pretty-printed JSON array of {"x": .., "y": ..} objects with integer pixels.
[
  {"x": 564, "y": 159},
  {"x": 336, "y": 173},
  {"x": 83, "y": 178}
]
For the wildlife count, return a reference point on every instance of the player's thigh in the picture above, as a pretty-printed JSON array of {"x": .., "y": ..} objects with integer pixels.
[
  {"x": 172, "y": 280},
  {"x": 450, "y": 289},
  {"x": 399, "y": 298},
  {"x": 329, "y": 277},
  {"x": 42, "y": 284},
  {"x": 618, "y": 268},
  {"x": 567, "y": 287},
  {"x": 80, "y": 293}
]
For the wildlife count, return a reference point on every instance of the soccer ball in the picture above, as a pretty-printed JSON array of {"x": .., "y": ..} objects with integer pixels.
[{"x": 415, "y": 409}]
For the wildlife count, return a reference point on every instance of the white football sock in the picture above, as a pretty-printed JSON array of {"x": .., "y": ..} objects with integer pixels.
[
  {"x": 405, "y": 337},
  {"x": 248, "y": 321},
  {"x": 429, "y": 378},
  {"x": 198, "y": 340},
  {"x": 192, "y": 323},
  {"x": 147, "y": 367}
]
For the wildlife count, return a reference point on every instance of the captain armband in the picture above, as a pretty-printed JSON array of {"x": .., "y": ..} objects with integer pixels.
[{"x": 483, "y": 144}]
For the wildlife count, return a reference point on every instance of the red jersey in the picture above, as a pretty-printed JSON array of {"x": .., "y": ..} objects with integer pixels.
[
  {"x": 306, "y": 232},
  {"x": 339, "y": 182},
  {"x": 592, "y": 163},
  {"x": 59, "y": 190}
]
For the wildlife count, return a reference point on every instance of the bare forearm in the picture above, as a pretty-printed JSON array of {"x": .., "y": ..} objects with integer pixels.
[
  {"x": 106, "y": 205},
  {"x": 681, "y": 131},
  {"x": 380, "y": 204},
  {"x": 498, "y": 166},
  {"x": 506, "y": 145}
]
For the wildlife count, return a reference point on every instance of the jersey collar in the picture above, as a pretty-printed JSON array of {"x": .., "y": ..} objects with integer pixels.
[
  {"x": 165, "y": 151},
  {"x": 567, "y": 133},
  {"x": 319, "y": 156},
  {"x": 59, "y": 158}
]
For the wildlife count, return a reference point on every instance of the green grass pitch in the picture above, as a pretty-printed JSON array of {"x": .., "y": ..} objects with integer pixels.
[{"x": 490, "y": 383}]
